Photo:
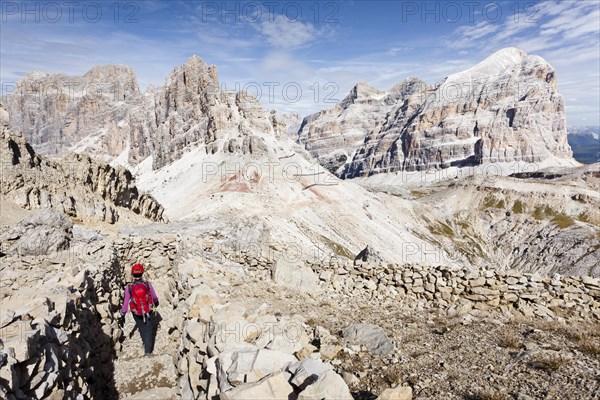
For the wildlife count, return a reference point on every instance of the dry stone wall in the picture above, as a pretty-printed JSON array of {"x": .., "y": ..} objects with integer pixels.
[
  {"x": 57, "y": 331},
  {"x": 456, "y": 290},
  {"x": 460, "y": 290}
]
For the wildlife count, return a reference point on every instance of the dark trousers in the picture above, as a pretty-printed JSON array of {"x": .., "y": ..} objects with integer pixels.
[{"x": 147, "y": 331}]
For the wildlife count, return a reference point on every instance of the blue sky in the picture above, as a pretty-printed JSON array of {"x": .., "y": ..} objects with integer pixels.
[{"x": 306, "y": 54}]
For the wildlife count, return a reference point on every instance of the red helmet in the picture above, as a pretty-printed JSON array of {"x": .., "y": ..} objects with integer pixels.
[{"x": 137, "y": 269}]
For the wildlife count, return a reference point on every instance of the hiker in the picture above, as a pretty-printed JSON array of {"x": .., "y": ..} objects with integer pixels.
[{"x": 141, "y": 299}]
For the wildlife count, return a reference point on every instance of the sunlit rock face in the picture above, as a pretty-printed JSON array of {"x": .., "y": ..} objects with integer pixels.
[
  {"x": 104, "y": 114},
  {"x": 506, "y": 108}
]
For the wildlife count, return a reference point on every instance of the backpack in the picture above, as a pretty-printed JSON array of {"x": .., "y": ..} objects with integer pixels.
[{"x": 140, "y": 301}]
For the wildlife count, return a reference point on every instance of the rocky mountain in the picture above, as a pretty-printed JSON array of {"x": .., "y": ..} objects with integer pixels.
[
  {"x": 504, "y": 109},
  {"x": 215, "y": 154},
  {"x": 76, "y": 185},
  {"x": 585, "y": 142},
  {"x": 104, "y": 114},
  {"x": 333, "y": 136},
  {"x": 293, "y": 120},
  {"x": 263, "y": 258},
  {"x": 92, "y": 113}
]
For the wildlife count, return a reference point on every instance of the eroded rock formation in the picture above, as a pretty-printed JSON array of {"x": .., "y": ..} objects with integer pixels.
[
  {"x": 506, "y": 108},
  {"x": 104, "y": 114}
]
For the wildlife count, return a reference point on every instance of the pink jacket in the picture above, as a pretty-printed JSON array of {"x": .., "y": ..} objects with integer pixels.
[{"x": 127, "y": 297}]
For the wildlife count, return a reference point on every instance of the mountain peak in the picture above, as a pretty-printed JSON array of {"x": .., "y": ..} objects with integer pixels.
[
  {"x": 510, "y": 60},
  {"x": 363, "y": 86},
  {"x": 33, "y": 76},
  {"x": 192, "y": 72},
  {"x": 408, "y": 85},
  {"x": 120, "y": 75},
  {"x": 509, "y": 52},
  {"x": 109, "y": 69},
  {"x": 195, "y": 60},
  {"x": 360, "y": 91}
]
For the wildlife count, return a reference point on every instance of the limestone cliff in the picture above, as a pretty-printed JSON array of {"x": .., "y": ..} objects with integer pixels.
[
  {"x": 506, "y": 108},
  {"x": 104, "y": 114}
]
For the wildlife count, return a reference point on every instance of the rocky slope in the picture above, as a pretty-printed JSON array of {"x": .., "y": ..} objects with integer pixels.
[
  {"x": 76, "y": 185},
  {"x": 333, "y": 136},
  {"x": 543, "y": 221},
  {"x": 226, "y": 330},
  {"x": 104, "y": 114},
  {"x": 504, "y": 109},
  {"x": 284, "y": 202}
]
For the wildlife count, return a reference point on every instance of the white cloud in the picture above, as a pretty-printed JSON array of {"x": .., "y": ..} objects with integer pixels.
[
  {"x": 547, "y": 25},
  {"x": 465, "y": 36},
  {"x": 284, "y": 33},
  {"x": 394, "y": 51}
]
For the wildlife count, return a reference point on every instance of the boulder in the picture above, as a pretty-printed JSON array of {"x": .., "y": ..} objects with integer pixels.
[
  {"x": 251, "y": 366},
  {"x": 368, "y": 254},
  {"x": 21, "y": 338},
  {"x": 371, "y": 336},
  {"x": 43, "y": 232},
  {"x": 9, "y": 370},
  {"x": 271, "y": 387},
  {"x": 329, "y": 386},
  {"x": 329, "y": 351},
  {"x": 307, "y": 371},
  {"x": 294, "y": 275},
  {"x": 397, "y": 393}
]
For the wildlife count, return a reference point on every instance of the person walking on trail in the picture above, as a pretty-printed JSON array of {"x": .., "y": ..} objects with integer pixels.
[{"x": 141, "y": 299}]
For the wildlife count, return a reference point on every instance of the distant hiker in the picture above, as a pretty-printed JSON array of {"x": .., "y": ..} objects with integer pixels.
[{"x": 141, "y": 299}]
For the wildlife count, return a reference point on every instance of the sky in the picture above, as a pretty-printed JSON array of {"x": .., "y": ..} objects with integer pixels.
[{"x": 304, "y": 56}]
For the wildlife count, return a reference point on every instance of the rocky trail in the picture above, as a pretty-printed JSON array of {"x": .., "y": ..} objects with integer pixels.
[
  {"x": 237, "y": 327},
  {"x": 152, "y": 377}
]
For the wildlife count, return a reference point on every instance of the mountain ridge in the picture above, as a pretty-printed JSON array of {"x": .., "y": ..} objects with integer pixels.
[
  {"x": 505, "y": 108},
  {"x": 108, "y": 117}
]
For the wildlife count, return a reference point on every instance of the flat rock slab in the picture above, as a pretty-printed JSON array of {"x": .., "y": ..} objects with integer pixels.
[
  {"x": 398, "y": 393},
  {"x": 145, "y": 375},
  {"x": 329, "y": 386},
  {"x": 371, "y": 336},
  {"x": 273, "y": 387}
]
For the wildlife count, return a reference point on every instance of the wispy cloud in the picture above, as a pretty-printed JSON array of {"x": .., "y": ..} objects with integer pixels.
[
  {"x": 367, "y": 43},
  {"x": 394, "y": 51},
  {"x": 285, "y": 33},
  {"x": 467, "y": 35},
  {"x": 565, "y": 33},
  {"x": 546, "y": 25}
]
